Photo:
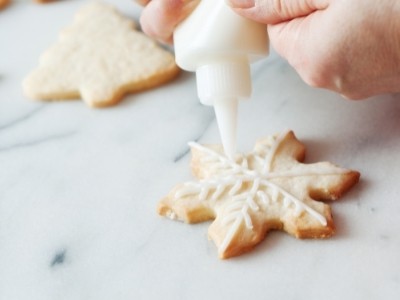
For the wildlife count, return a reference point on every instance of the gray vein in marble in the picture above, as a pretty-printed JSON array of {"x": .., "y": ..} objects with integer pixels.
[
  {"x": 181, "y": 155},
  {"x": 142, "y": 246},
  {"x": 59, "y": 258},
  {"x": 206, "y": 125},
  {"x": 39, "y": 141},
  {"x": 22, "y": 118},
  {"x": 384, "y": 237}
]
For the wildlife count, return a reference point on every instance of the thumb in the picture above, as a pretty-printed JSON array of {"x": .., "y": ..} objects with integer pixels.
[{"x": 276, "y": 11}]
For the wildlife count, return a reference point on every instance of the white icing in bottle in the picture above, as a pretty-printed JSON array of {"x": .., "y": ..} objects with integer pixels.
[{"x": 219, "y": 45}]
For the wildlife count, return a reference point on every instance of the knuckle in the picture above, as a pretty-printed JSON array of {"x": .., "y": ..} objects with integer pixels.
[
  {"x": 314, "y": 79},
  {"x": 352, "y": 95},
  {"x": 323, "y": 75},
  {"x": 316, "y": 74}
]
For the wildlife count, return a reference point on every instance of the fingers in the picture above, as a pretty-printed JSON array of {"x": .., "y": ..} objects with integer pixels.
[
  {"x": 276, "y": 11},
  {"x": 160, "y": 17},
  {"x": 306, "y": 50}
]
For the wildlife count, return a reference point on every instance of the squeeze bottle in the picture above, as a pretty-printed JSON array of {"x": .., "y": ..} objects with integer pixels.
[{"x": 219, "y": 46}]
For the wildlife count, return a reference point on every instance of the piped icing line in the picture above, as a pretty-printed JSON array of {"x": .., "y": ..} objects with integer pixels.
[
  {"x": 302, "y": 174},
  {"x": 224, "y": 160},
  {"x": 270, "y": 156},
  {"x": 230, "y": 234},
  {"x": 266, "y": 175},
  {"x": 298, "y": 203}
]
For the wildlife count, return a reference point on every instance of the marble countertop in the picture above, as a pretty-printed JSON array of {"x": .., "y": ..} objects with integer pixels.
[{"x": 79, "y": 186}]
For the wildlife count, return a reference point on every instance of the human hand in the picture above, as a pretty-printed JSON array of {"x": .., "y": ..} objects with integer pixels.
[
  {"x": 348, "y": 46},
  {"x": 160, "y": 17}
]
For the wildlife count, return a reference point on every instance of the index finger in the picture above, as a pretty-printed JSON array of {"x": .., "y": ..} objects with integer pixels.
[
  {"x": 277, "y": 11},
  {"x": 160, "y": 17}
]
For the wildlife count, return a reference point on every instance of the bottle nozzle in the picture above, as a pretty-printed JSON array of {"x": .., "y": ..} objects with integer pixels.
[
  {"x": 221, "y": 85},
  {"x": 226, "y": 114}
]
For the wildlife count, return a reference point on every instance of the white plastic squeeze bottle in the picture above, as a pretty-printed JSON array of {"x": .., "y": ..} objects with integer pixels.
[{"x": 219, "y": 45}]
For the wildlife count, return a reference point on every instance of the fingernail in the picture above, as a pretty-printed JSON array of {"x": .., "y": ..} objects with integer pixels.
[{"x": 240, "y": 3}]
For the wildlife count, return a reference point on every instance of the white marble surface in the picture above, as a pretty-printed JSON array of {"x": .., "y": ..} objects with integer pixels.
[{"x": 79, "y": 187}]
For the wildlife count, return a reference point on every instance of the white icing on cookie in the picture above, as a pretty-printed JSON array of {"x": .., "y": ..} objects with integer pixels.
[{"x": 230, "y": 177}]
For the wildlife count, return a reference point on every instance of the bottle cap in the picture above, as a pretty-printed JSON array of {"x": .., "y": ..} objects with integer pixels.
[{"x": 228, "y": 79}]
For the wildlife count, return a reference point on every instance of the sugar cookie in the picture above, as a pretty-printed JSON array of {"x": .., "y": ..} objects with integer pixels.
[
  {"x": 100, "y": 57},
  {"x": 266, "y": 189},
  {"x": 4, "y": 3}
]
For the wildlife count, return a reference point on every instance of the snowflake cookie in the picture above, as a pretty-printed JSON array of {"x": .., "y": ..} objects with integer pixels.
[{"x": 266, "y": 189}]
